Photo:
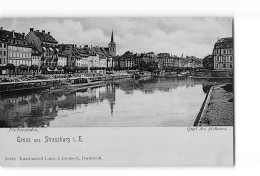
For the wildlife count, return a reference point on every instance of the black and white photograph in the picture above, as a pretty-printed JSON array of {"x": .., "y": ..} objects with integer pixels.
[
  {"x": 129, "y": 87},
  {"x": 116, "y": 72}
]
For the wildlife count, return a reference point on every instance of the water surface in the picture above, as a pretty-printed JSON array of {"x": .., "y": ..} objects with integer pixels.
[{"x": 149, "y": 102}]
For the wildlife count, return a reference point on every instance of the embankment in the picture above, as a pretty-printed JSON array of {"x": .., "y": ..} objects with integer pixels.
[{"x": 218, "y": 107}]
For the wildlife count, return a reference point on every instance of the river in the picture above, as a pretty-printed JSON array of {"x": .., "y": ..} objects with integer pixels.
[{"x": 147, "y": 102}]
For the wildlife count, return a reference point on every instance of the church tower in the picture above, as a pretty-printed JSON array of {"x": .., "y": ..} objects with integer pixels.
[{"x": 112, "y": 46}]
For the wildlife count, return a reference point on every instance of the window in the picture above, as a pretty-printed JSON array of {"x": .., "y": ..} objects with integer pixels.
[
  {"x": 231, "y": 58},
  {"x": 4, "y": 53},
  {"x": 0, "y": 52},
  {"x": 228, "y": 66}
]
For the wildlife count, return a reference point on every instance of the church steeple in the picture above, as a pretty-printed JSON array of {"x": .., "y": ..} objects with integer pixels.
[
  {"x": 112, "y": 46},
  {"x": 112, "y": 37}
]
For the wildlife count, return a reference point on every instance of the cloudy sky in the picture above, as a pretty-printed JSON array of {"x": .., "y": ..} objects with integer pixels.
[{"x": 190, "y": 36}]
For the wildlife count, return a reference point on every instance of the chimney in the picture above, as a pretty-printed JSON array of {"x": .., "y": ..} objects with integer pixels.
[
  {"x": 23, "y": 35},
  {"x": 31, "y": 29},
  {"x": 49, "y": 33},
  {"x": 13, "y": 33},
  {"x": 43, "y": 31},
  {"x": 1, "y": 28}
]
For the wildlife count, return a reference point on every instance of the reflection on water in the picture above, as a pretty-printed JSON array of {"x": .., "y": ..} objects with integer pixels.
[{"x": 144, "y": 102}]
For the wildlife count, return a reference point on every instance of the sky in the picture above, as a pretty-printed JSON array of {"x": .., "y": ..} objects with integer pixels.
[{"x": 187, "y": 36}]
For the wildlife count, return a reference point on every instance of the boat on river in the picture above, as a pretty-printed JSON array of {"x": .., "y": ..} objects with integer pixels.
[{"x": 29, "y": 85}]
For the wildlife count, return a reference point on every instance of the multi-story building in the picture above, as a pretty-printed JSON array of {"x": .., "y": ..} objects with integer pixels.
[
  {"x": 223, "y": 54},
  {"x": 70, "y": 51},
  {"x": 127, "y": 60},
  {"x": 138, "y": 59},
  {"x": 19, "y": 54},
  {"x": 62, "y": 59},
  {"x": 82, "y": 59},
  {"x": 86, "y": 62},
  {"x": 116, "y": 61},
  {"x": 149, "y": 57},
  {"x": 45, "y": 44},
  {"x": 93, "y": 59},
  {"x": 16, "y": 49},
  {"x": 3, "y": 57},
  {"x": 167, "y": 60},
  {"x": 36, "y": 58}
]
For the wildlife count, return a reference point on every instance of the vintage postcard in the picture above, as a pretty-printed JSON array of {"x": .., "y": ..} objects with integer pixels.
[{"x": 117, "y": 91}]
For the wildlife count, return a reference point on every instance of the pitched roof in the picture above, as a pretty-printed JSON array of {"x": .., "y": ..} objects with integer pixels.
[
  {"x": 82, "y": 52},
  {"x": 224, "y": 43},
  {"x": 64, "y": 46},
  {"x": 6, "y": 36},
  {"x": 45, "y": 37}
]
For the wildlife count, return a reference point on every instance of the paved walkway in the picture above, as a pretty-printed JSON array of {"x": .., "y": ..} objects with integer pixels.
[{"x": 220, "y": 107}]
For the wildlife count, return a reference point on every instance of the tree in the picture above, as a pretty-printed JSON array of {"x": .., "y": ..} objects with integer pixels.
[
  {"x": 66, "y": 68},
  {"x": 33, "y": 68},
  {"x": 10, "y": 67},
  {"x": 23, "y": 67},
  {"x": 151, "y": 66},
  {"x": 43, "y": 68},
  {"x": 208, "y": 62},
  {"x": 142, "y": 65}
]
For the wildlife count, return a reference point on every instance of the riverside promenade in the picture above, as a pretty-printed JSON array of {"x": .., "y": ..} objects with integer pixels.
[{"x": 218, "y": 107}]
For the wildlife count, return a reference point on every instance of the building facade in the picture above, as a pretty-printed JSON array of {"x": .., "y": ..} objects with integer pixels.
[
  {"x": 46, "y": 45},
  {"x": 36, "y": 58},
  {"x": 223, "y": 54},
  {"x": 166, "y": 60},
  {"x": 3, "y": 57},
  {"x": 62, "y": 59},
  {"x": 15, "y": 49},
  {"x": 70, "y": 51},
  {"x": 3, "y": 53}
]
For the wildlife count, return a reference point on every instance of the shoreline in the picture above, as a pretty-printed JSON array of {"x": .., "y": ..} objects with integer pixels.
[
  {"x": 219, "y": 99},
  {"x": 202, "y": 108}
]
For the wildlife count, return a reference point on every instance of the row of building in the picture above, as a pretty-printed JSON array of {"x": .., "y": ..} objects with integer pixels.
[
  {"x": 41, "y": 48},
  {"x": 164, "y": 60}
]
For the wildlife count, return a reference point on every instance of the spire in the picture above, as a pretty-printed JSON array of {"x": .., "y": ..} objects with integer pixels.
[{"x": 112, "y": 37}]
